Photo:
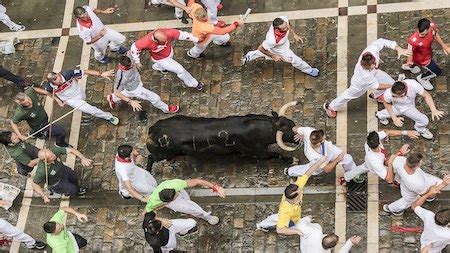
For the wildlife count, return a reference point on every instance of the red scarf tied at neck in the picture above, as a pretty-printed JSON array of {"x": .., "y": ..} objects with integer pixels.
[
  {"x": 123, "y": 68},
  {"x": 279, "y": 34},
  {"x": 86, "y": 23}
]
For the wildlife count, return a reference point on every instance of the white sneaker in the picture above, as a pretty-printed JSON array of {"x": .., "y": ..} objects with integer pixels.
[
  {"x": 258, "y": 227},
  {"x": 425, "y": 83},
  {"x": 401, "y": 77},
  {"x": 18, "y": 28},
  {"x": 244, "y": 60},
  {"x": 213, "y": 220},
  {"x": 386, "y": 209},
  {"x": 427, "y": 134},
  {"x": 413, "y": 70}
]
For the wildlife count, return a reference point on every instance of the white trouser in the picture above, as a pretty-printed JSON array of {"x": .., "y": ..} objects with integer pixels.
[
  {"x": 179, "y": 226},
  {"x": 178, "y": 11},
  {"x": 142, "y": 93},
  {"x": 358, "y": 170},
  {"x": 7, "y": 21},
  {"x": 145, "y": 183},
  {"x": 420, "y": 120},
  {"x": 298, "y": 170},
  {"x": 271, "y": 221},
  {"x": 211, "y": 7},
  {"x": 80, "y": 99},
  {"x": 287, "y": 56},
  {"x": 408, "y": 197},
  {"x": 9, "y": 230},
  {"x": 215, "y": 38},
  {"x": 112, "y": 39},
  {"x": 355, "y": 90},
  {"x": 183, "y": 204},
  {"x": 171, "y": 65}
]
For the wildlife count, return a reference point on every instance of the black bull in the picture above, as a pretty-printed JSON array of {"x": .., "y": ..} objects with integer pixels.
[{"x": 249, "y": 135}]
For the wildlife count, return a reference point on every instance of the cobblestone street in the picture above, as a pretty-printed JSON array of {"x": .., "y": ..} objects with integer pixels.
[{"x": 51, "y": 42}]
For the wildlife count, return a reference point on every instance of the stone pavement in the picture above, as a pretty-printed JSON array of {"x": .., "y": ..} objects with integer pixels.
[{"x": 258, "y": 87}]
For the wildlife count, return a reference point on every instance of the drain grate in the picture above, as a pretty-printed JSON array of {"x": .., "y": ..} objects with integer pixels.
[{"x": 357, "y": 196}]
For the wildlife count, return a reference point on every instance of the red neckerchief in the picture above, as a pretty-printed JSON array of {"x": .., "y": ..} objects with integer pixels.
[
  {"x": 123, "y": 68},
  {"x": 86, "y": 23},
  {"x": 122, "y": 160},
  {"x": 385, "y": 153},
  {"x": 279, "y": 34}
]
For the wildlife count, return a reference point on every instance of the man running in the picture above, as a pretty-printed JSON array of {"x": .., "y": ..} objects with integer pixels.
[
  {"x": 213, "y": 6},
  {"x": 65, "y": 86},
  {"x": 276, "y": 47},
  {"x": 159, "y": 45},
  {"x": 179, "y": 5},
  {"x": 367, "y": 75},
  {"x": 24, "y": 154},
  {"x": 93, "y": 32},
  {"x": 420, "y": 43}
]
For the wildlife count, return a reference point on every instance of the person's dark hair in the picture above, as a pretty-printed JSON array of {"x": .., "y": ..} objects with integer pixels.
[
  {"x": 373, "y": 140},
  {"x": 367, "y": 60},
  {"x": 49, "y": 227},
  {"x": 398, "y": 87},
  {"x": 124, "y": 151},
  {"x": 414, "y": 159},
  {"x": 423, "y": 24},
  {"x": 442, "y": 217},
  {"x": 329, "y": 241},
  {"x": 153, "y": 227},
  {"x": 290, "y": 191},
  {"x": 5, "y": 137},
  {"x": 125, "y": 61},
  {"x": 78, "y": 11},
  {"x": 277, "y": 22},
  {"x": 316, "y": 136},
  {"x": 167, "y": 195}
]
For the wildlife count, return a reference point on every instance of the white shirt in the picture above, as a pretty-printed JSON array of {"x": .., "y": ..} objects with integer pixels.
[
  {"x": 375, "y": 160},
  {"x": 86, "y": 33},
  {"x": 327, "y": 148},
  {"x": 415, "y": 183},
  {"x": 364, "y": 78},
  {"x": 404, "y": 103},
  {"x": 270, "y": 43},
  {"x": 311, "y": 240},
  {"x": 141, "y": 180},
  {"x": 439, "y": 236}
]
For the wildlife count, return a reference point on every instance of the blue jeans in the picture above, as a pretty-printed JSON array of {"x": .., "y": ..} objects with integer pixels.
[{"x": 433, "y": 70}]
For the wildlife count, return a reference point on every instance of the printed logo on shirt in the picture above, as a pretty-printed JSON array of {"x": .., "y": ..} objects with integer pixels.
[
  {"x": 33, "y": 115},
  {"x": 53, "y": 172},
  {"x": 420, "y": 44}
]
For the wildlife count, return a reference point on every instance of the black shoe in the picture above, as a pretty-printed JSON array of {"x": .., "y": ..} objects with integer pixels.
[
  {"x": 183, "y": 20},
  {"x": 65, "y": 145},
  {"x": 81, "y": 191},
  {"x": 191, "y": 231},
  {"x": 228, "y": 44},
  {"x": 39, "y": 246},
  {"x": 199, "y": 86}
]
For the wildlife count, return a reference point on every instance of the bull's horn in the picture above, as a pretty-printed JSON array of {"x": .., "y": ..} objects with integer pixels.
[
  {"x": 279, "y": 138},
  {"x": 284, "y": 108}
]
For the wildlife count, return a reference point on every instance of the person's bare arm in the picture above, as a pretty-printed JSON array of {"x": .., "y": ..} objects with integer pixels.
[
  {"x": 315, "y": 166},
  {"x": 84, "y": 161},
  {"x": 397, "y": 120},
  {"x": 16, "y": 130},
  {"x": 297, "y": 37},
  {"x": 409, "y": 133},
  {"x": 107, "y": 74},
  {"x": 444, "y": 46},
  {"x": 384, "y": 86},
  {"x": 97, "y": 37},
  {"x": 288, "y": 231},
  {"x": 430, "y": 102},
  {"x": 431, "y": 192},
  {"x": 275, "y": 57},
  {"x": 47, "y": 93},
  {"x": 136, "y": 105},
  {"x": 105, "y": 11},
  {"x": 33, "y": 163},
  {"x": 38, "y": 189},
  {"x": 216, "y": 188},
  {"x": 332, "y": 165},
  {"x": 81, "y": 217},
  {"x": 175, "y": 3},
  {"x": 133, "y": 192}
]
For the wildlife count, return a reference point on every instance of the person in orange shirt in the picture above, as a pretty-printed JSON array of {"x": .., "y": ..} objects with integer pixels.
[{"x": 203, "y": 29}]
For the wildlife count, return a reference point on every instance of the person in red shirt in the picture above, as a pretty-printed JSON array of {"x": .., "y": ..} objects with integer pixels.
[
  {"x": 159, "y": 45},
  {"x": 420, "y": 44}
]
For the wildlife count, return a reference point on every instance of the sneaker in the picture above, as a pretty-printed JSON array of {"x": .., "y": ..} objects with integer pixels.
[
  {"x": 81, "y": 191},
  {"x": 121, "y": 50},
  {"x": 38, "y": 246},
  {"x": 258, "y": 227},
  {"x": 386, "y": 209},
  {"x": 18, "y": 28},
  {"x": 124, "y": 197},
  {"x": 286, "y": 171},
  {"x": 359, "y": 179},
  {"x": 173, "y": 108},
  {"x": 219, "y": 7},
  {"x": 382, "y": 121},
  {"x": 183, "y": 20},
  {"x": 314, "y": 72},
  {"x": 431, "y": 199},
  {"x": 114, "y": 120},
  {"x": 427, "y": 134},
  {"x": 105, "y": 60},
  {"x": 111, "y": 102},
  {"x": 330, "y": 113},
  {"x": 244, "y": 60},
  {"x": 191, "y": 231},
  {"x": 413, "y": 70},
  {"x": 425, "y": 83},
  {"x": 202, "y": 55},
  {"x": 401, "y": 77},
  {"x": 65, "y": 145},
  {"x": 213, "y": 220},
  {"x": 199, "y": 86}
]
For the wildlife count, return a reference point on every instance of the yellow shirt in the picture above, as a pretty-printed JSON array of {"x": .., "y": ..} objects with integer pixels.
[{"x": 290, "y": 212}]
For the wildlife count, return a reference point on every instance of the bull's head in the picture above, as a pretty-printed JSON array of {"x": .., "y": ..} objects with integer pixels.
[{"x": 284, "y": 126}]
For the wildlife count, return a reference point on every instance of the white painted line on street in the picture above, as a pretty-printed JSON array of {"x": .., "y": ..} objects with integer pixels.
[{"x": 260, "y": 191}]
